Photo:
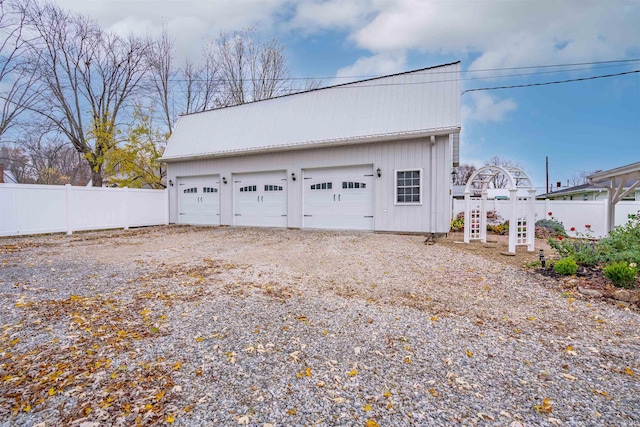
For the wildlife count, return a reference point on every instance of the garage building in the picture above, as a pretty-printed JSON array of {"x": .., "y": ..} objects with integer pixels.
[{"x": 375, "y": 154}]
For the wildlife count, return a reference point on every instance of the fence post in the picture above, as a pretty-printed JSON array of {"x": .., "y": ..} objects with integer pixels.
[
  {"x": 607, "y": 221},
  {"x": 67, "y": 212},
  {"x": 166, "y": 206},
  {"x": 125, "y": 208}
]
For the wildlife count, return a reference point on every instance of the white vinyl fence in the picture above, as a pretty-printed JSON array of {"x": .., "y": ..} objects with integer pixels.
[
  {"x": 35, "y": 209},
  {"x": 571, "y": 213}
]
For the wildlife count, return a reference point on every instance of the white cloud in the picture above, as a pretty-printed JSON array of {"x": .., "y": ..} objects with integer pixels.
[
  {"x": 191, "y": 22},
  {"x": 482, "y": 107},
  {"x": 386, "y": 63},
  {"x": 311, "y": 16}
]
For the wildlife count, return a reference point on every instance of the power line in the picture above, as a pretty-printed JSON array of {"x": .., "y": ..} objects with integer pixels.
[
  {"x": 590, "y": 65},
  {"x": 551, "y": 83}
]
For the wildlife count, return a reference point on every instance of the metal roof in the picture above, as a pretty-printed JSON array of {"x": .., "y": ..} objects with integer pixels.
[{"x": 405, "y": 105}]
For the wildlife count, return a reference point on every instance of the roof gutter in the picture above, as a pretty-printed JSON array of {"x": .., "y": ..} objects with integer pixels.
[{"x": 317, "y": 144}]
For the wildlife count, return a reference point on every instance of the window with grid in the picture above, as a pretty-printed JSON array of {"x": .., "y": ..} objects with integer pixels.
[{"x": 408, "y": 186}]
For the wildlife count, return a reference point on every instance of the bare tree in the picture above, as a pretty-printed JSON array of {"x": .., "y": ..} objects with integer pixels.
[
  {"x": 17, "y": 83},
  {"x": 580, "y": 178},
  {"x": 88, "y": 76},
  {"x": 16, "y": 160},
  {"x": 161, "y": 74},
  {"x": 500, "y": 180},
  {"x": 200, "y": 85},
  {"x": 463, "y": 173},
  {"x": 249, "y": 71}
]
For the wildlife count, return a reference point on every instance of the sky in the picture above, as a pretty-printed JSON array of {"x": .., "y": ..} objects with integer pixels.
[{"x": 581, "y": 126}]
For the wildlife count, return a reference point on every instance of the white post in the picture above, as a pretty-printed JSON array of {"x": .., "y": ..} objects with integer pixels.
[
  {"x": 68, "y": 208},
  {"x": 513, "y": 221},
  {"x": 125, "y": 207},
  {"x": 531, "y": 220},
  {"x": 546, "y": 208},
  {"x": 166, "y": 206},
  {"x": 483, "y": 216},
  {"x": 467, "y": 216},
  {"x": 610, "y": 213}
]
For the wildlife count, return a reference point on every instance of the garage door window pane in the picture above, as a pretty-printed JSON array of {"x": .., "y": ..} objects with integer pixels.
[
  {"x": 190, "y": 190},
  {"x": 322, "y": 186},
  {"x": 408, "y": 187}
]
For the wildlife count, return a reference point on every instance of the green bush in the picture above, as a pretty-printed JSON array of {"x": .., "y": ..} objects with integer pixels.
[
  {"x": 584, "y": 252},
  {"x": 566, "y": 266},
  {"x": 457, "y": 224},
  {"x": 554, "y": 227},
  {"x": 622, "y": 275},
  {"x": 622, "y": 243}
]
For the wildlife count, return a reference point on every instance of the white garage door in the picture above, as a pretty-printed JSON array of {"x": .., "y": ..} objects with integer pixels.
[
  {"x": 199, "y": 200},
  {"x": 339, "y": 198},
  {"x": 260, "y": 199}
]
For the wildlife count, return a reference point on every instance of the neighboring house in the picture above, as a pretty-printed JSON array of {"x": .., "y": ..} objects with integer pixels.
[
  {"x": 6, "y": 176},
  {"x": 587, "y": 192},
  {"x": 376, "y": 155},
  {"x": 492, "y": 193}
]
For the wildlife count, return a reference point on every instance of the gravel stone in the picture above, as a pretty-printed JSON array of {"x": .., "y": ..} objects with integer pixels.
[{"x": 300, "y": 327}]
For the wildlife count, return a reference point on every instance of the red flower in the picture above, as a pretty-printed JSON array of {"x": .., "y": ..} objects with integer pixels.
[
  {"x": 587, "y": 226},
  {"x": 572, "y": 229},
  {"x": 560, "y": 238},
  {"x": 549, "y": 213}
]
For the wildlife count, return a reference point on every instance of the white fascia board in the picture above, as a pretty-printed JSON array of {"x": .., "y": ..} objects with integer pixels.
[
  {"x": 598, "y": 177},
  {"x": 318, "y": 144}
]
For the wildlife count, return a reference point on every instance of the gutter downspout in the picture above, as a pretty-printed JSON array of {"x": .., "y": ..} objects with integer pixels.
[{"x": 433, "y": 184}]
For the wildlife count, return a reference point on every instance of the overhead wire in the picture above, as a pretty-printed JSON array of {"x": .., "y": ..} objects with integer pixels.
[{"x": 591, "y": 66}]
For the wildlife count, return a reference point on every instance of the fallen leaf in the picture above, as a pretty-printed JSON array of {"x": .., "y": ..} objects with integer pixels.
[
  {"x": 434, "y": 318},
  {"x": 545, "y": 408},
  {"x": 569, "y": 377},
  {"x": 352, "y": 373},
  {"x": 171, "y": 418},
  {"x": 469, "y": 353},
  {"x": 371, "y": 423},
  {"x": 387, "y": 393},
  {"x": 628, "y": 371},
  {"x": 433, "y": 392},
  {"x": 367, "y": 407}
]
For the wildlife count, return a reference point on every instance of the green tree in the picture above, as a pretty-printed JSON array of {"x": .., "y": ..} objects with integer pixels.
[{"x": 135, "y": 163}]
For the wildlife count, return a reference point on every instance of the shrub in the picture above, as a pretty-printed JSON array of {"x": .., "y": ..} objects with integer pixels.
[
  {"x": 622, "y": 275},
  {"x": 542, "y": 232},
  {"x": 555, "y": 228},
  {"x": 497, "y": 229},
  {"x": 457, "y": 224},
  {"x": 566, "y": 266},
  {"x": 622, "y": 243}
]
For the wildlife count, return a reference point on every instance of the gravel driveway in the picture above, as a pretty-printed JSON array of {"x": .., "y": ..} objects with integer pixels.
[{"x": 231, "y": 326}]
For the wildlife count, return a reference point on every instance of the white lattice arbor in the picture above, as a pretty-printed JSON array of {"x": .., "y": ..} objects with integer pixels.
[{"x": 522, "y": 219}]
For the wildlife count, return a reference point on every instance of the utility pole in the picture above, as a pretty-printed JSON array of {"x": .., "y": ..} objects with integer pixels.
[{"x": 547, "y": 171}]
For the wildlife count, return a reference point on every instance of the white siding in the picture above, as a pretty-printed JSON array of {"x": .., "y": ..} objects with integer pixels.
[
  {"x": 411, "y": 103},
  {"x": 388, "y": 156}
]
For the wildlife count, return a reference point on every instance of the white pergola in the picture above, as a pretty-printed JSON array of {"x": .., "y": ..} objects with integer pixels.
[
  {"x": 619, "y": 182},
  {"x": 522, "y": 218}
]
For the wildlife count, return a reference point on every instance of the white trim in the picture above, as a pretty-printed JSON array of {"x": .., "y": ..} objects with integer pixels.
[
  {"x": 395, "y": 187},
  {"x": 318, "y": 144}
]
